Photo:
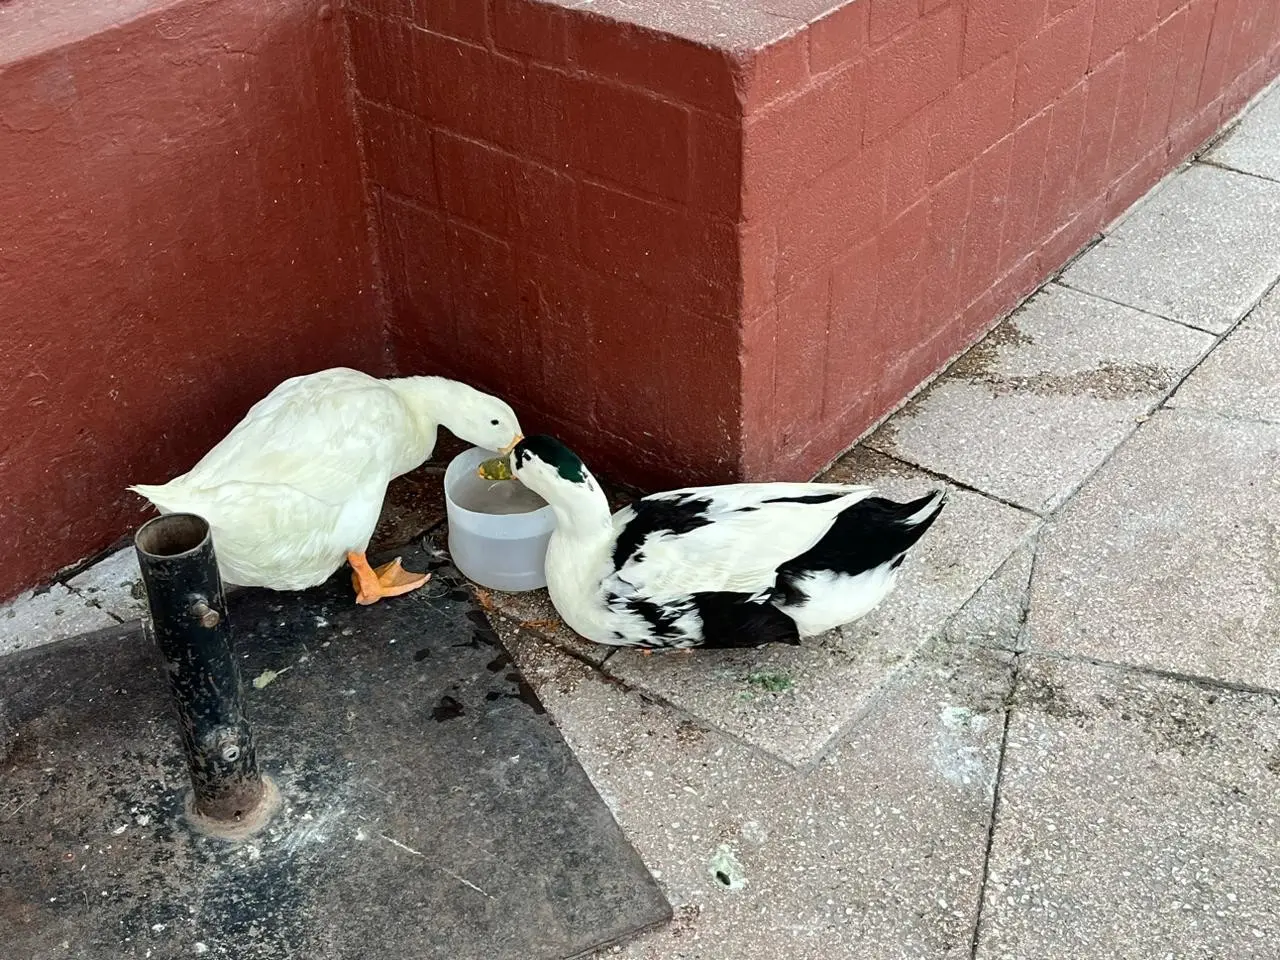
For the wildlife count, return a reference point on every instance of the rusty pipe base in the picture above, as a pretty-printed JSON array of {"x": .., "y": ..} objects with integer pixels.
[
  {"x": 252, "y": 814},
  {"x": 189, "y": 624}
]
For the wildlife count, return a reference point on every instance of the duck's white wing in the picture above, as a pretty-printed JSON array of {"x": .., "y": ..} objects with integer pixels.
[
  {"x": 729, "y": 538},
  {"x": 321, "y": 435}
]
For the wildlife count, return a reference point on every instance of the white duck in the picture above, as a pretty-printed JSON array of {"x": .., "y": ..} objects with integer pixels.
[
  {"x": 297, "y": 486},
  {"x": 727, "y": 566}
]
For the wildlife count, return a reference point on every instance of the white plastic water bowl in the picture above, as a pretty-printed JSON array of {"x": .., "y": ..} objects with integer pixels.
[{"x": 501, "y": 551}]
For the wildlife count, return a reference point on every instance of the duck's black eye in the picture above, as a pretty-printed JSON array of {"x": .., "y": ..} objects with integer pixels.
[{"x": 494, "y": 422}]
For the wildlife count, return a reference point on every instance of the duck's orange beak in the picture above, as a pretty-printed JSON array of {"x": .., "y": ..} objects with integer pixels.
[{"x": 512, "y": 445}]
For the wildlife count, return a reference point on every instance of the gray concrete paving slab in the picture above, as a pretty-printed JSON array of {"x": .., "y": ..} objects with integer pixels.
[
  {"x": 1241, "y": 378},
  {"x": 875, "y": 853},
  {"x": 1033, "y": 409},
  {"x": 1254, "y": 145},
  {"x": 1201, "y": 251},
  {"x": 1169, "y": 557},
  {"x": 1137, "y": 820}
]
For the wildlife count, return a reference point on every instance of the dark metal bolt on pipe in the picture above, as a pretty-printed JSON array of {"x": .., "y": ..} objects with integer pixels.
[{"x": 189, "y": 626}]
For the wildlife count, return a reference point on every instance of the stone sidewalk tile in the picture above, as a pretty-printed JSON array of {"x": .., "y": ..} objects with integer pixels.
[
  {"x": 114, "y": 584},
  {"x": 533, "y": 610},
  {"x": 38, "y": 617},
  {"x": 875, "y": 854},
  {"x": 1033, "y": 409},
  {"x": 1201, "y": 251},
  {"x": 996, "y": 614},
  {"x": 1254, "y": 145},
  {"x": 791, "y": 701},
  {"x": 1170, "y": 556},
  {"x": 1241, "y": 378},
  {"x": 1137, "y": 819}
]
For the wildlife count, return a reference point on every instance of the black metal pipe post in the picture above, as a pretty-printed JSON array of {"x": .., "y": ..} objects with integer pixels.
[{"x": 189, "y": 625}]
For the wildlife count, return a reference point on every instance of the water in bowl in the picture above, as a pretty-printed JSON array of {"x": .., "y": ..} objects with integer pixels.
[{"x": 496, "y": 497}]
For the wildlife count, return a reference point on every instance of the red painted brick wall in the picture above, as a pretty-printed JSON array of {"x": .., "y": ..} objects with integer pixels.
[
  {"x": 935, "y": 161},
  {"x": 182, "y": 226},
  {"x": 707, "y": 249},
  {"x": 558, "y": 199}
]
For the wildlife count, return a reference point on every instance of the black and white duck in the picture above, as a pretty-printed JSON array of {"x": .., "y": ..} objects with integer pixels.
[{"x": 737, "y": 565}]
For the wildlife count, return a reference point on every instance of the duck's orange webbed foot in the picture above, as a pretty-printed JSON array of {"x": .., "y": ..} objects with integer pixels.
[{"x": 388, "y": 580}]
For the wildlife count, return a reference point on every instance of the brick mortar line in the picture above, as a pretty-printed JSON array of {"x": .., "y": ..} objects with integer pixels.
[
  {"x": 1228, "y": 127},
  {"x": 574, "y": 173},
  {"x": 924, "y": 384},
  {"x": 77, "y": 569},
  {"x": 1205, "y": 682},
  {"x": 1044, "y": 111},
  {"x": 1162, "y": 405},
  {"x": 1098, "y": 235},
  {"x": 788, "y": 205},
  {"x": 1166, "y": 140},
  {"x": 666, "y": 203},
  {"x": 372, "y": 208},
  {"x": 450, "y": 217},
  {"x": 566, "y": 69}
]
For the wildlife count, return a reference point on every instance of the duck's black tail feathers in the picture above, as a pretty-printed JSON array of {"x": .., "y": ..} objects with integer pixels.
[
  {"x": 901, "y": 525},
  {"x": 920, "y": 514},
  {"x": 870, "y": 533}
]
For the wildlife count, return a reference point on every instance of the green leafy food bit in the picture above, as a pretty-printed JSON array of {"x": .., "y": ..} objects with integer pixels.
[
  {"x": 267, "y": 676},
  {"x": 496, "y": 468},
  {"x": 772, "y": 682}
]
